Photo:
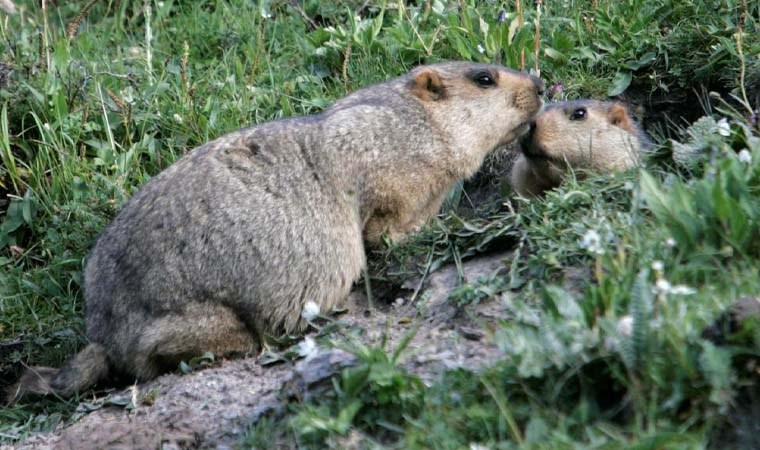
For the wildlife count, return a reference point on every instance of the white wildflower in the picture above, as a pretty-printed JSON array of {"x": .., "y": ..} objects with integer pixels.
[
  {"x": 682, "y": 289},
  {"x": 670, "y": 242},
  {"x": 476, "y": 446},
  {"x": 662, "y": 286},
  {"x": 724, "y": 129},
  {"x": 657, "y": 266},
  {"x": 134, "y": 395},
  {"x": 177, "y": 118},
  {"x": 745, "y": 156},
  {"x": 307, "y": 348},
  {"x": 481, "y": 49},
  {"x": 128, "y": 94},
  {"x": 611, "y": 343},
  {"x": 310, "y": 310},
  {"x": 592, "y": 242},
  {"x": 625, "y": 326},
  {"x": 46, "y": 126}
]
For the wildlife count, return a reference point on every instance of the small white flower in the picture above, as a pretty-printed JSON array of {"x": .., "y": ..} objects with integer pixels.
[
  {"x": 625, "y": 326},
  {"x": 307, "y": 347},
  {"x": 310, "y": 310},
  {"x": 745, "y": 156},
  {"x": 476, "y": 446},
  {"x": 724, "y": 129},
  {"x": 481, "y": 49},
  {"x": 682, "y": 289},
  {"x": 398, "y": 303},
  {"x": 128, "y": 94},
  {"x": 592, "y": 242},
  {"x": 657, "y": 266},
  {"x": 177, "y": 118},
  {"x": 662, "y": 286},
  {"x": 46, "y": 126},
  {"x": 670, "y": 242},
  {"x": 135, "y": 395}
]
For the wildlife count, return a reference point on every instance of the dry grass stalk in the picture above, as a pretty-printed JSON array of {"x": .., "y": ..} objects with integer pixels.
[
  {"x": 537, "y": 42},
  {"x": 346, "y": 58},
  {"x": 73, "y": 26},
  {"x": 520, "y": 23}
]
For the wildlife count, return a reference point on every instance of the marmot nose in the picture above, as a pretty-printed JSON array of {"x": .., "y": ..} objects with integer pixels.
[{"x": 539, "y": 83}]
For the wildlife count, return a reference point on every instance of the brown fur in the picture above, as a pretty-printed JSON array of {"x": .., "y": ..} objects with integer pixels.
[
  {"x": 605, "y": 139},
  {"x": 231, "y": 241}
]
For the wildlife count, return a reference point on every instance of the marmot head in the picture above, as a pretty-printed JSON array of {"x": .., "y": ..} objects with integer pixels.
[
  {"x": 476, "y": 107},
  {"x": 582, "y": 135}
]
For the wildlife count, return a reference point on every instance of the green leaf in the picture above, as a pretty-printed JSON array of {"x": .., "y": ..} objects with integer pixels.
[
  {"x": 619, "y": 84},
  {"x": 28, "y": 207},
  {"x": 554, "y": 54},
  {"x": 512, "y": 30}
]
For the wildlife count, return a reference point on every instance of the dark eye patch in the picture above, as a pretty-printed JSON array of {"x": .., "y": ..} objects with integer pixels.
[{"x": 578, "y": 114}]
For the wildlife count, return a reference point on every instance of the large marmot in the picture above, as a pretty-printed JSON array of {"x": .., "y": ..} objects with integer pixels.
[{"x": 231, "y": 241}]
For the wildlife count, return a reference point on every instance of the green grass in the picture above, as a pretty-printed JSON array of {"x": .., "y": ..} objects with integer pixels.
[{"x": 87, "y": 119}]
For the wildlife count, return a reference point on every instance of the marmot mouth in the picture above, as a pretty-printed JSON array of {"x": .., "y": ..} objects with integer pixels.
[
  {"x": 516, "y": 135},
  {"x": 534, "y": 152},
  {"x": 522, "y": 130}
]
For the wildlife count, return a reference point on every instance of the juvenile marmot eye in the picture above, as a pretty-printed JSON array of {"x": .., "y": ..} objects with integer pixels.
[
  {"x": 578, "y": 114},
  {"x": 484, "y": 79}
]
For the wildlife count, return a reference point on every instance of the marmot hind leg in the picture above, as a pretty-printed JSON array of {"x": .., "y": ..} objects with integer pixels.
[{"x": 198, "y": 329}]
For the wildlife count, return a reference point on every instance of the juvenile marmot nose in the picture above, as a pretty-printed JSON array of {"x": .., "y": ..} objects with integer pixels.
[{"x": 539, "y": 83}]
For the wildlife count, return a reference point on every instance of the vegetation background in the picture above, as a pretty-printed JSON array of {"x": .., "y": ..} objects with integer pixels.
[{"x": 97, "y": 96}]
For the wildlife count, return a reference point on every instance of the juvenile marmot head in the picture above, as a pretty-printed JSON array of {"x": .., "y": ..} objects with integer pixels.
[{"x": 583, "y": 135}]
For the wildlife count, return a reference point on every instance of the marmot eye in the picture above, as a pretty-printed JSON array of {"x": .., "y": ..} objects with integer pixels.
[
  {"x": 578, "y": 114},
  {"x": 484, "y": 79}
]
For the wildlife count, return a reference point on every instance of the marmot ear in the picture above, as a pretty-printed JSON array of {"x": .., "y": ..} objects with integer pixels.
[
  {"x": 427, "y": 85},
  {"x": 618, "y": 116}
]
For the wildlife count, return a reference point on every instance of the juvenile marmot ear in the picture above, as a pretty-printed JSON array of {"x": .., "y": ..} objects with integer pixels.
[
  {"x": 618, "y": 116},
  {"x": 427, "y": 85}
]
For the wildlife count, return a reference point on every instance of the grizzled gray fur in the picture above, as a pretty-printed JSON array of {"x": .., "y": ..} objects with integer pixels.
[{"x": 232, "y": 240}]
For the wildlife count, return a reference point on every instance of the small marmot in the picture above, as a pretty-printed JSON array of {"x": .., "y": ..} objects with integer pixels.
[
  {"x": 229, "y": 243},
  {"x": 583, "y": 134}
]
